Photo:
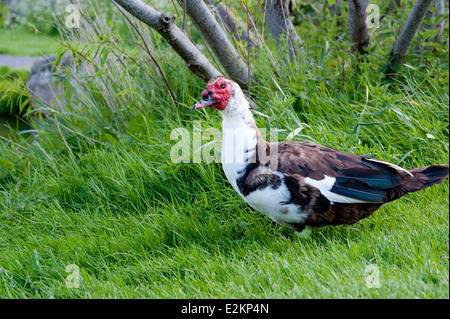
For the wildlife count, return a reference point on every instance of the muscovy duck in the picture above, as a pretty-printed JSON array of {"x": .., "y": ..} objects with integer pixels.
[{"x": 298, "y": 184}]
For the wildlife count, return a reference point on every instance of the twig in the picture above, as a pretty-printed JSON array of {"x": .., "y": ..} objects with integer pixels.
[
  {"x": 183, "y": 27},
  {"x": 46, "y": 155},
  {"x": 64, "y": 140},
  {"x": 195, "y": 60},
  {"x": 97, "y": 31},
  {"x": 77, "y": 52},
  {"x": 172, "y": 95},
  {"x": 82, "y": 135},
  {"x": 262, "y": 43},
  {"x": 176, "y": 9}
]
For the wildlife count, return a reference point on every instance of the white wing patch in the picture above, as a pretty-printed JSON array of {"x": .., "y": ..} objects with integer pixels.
[
  {"x": 325, "y": 185},
  {"x": 389, "y": 164}
]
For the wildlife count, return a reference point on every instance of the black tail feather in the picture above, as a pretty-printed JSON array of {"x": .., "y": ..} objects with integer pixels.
[{"x": 423, "y": 177}]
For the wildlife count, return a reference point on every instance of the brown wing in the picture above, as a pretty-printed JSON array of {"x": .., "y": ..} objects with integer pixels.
[
  {"x": 314, "y": 161},
  {"x": 356, "y": 176}
]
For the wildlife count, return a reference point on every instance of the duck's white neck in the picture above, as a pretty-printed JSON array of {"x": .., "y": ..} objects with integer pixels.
[
  {"x": 243, "y": 119},
  {"x": 239, "y": 139},
  {"x": 237, "y": 112},
  {"x": 238, "y": 119}
]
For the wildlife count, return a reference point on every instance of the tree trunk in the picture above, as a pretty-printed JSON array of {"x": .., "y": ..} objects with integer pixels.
[
  {"x": 177, "y": 39},
  {"x": 440, "y": 7},
  {"x": 213, "y": 34},
  {"x": 359, "y": 33},
  {"x": 407, "y": 35},
  {"x": 277, "y": 19}
]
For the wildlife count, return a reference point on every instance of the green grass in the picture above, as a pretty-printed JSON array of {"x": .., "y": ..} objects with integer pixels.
[
  {"x": 97, "y": 188},
  {"x": 26, "y": 42}
]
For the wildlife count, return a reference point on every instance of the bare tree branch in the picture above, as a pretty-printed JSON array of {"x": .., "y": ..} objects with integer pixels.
[
  {"x": 218, "y": 41},
  {"x": 407, "y": 35},
  {"x": 277, "y": 18},
  {"x": 359, "y": 33},
  {"x": 177, "y": 39}
]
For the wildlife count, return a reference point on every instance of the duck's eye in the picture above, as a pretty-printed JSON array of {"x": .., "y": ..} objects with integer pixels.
[{"x": 222, "y": 85}]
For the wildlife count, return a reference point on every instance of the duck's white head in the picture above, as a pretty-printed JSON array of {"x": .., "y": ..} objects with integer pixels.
[{"x": 226, "y": 96}]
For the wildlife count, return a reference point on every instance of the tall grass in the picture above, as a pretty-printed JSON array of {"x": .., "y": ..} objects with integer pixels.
[{"x": 97, "y": 187}]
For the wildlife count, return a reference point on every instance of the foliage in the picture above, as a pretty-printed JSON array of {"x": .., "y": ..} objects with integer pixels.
[
  {"x": 22, "y": 15},
  {"x": 12, "y": 80}
]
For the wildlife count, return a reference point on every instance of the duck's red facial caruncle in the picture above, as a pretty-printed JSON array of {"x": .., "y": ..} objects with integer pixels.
[{"x": 215, "y": 95}]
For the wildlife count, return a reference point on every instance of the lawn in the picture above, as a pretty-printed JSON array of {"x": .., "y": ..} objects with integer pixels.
[
  {"x": 25, "y": 41},
  {"x": 94, "y": 207}
]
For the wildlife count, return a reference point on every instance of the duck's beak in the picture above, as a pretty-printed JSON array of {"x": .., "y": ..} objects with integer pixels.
[{"x": 207, "y": 100}]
